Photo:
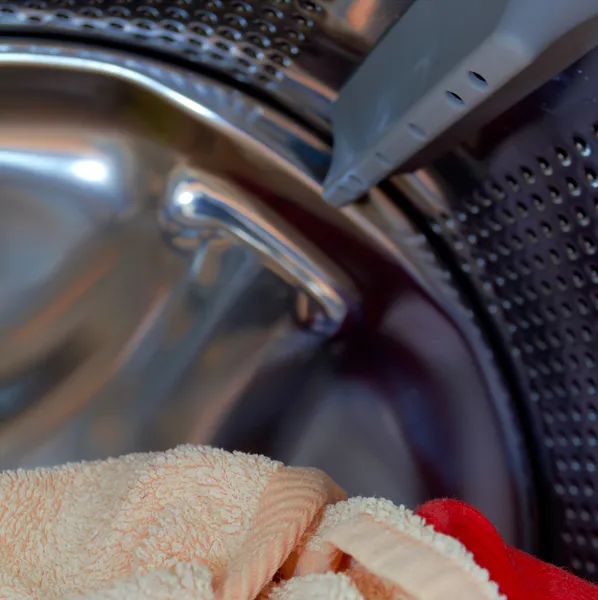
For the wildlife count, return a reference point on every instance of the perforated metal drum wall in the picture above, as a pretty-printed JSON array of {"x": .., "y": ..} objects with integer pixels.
[
  {"x": 267, "y": 38},
  {"x": 523, "y": 220},
  {"x": 299, "y": 51}
]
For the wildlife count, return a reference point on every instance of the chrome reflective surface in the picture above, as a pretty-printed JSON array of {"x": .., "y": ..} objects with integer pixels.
[
  {"x": 170, "y": 273},
  {"x": 299, "y": 51},
  {"x": 139, "y": 270},
  {"x": 199, "y": 208}
]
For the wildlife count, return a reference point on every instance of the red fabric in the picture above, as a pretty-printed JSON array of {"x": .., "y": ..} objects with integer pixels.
[{"x": 518, "y": 575}]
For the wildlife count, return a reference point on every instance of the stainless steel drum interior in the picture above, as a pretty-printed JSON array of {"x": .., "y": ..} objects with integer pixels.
[
  {"x": 171, "y": 274},
  {"x": 183, "y": 261}
]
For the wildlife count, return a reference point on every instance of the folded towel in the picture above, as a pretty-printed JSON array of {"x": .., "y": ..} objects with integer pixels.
[{"x": 203, "y": 524}]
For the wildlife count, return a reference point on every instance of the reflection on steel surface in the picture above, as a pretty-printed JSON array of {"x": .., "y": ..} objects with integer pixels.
[
  {"x": 108, "y": 333},
  {"x": 199, "y": 208},
  {"x": 448, "y": 356},
  {"x": 225, "y": 107}
]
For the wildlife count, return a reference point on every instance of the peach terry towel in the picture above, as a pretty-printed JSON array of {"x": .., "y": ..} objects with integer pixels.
[{"x": 196, "y": 523}]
